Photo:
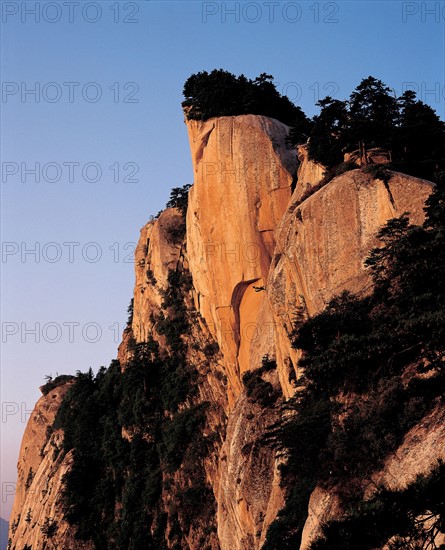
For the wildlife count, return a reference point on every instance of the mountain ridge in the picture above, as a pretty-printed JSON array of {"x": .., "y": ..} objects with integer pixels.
[{"x": 215, "y": 301}]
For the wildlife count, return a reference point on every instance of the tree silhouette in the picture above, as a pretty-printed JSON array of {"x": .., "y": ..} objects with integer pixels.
[
  {"x": 220, "y": 93},
  {"x": 407, "y": 128},
  {"x": 420, "y": 137},
  {"x": 179, "y": 198},
  {"x": 327, "y": 138},
  {"x": 372, "y": 116}
]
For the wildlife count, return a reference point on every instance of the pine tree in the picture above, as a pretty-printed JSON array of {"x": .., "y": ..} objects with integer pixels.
[
  {"x": 372, "y": 116},
  {"x": 420, "y": 138},
  {"x": 327, "y": 138}
]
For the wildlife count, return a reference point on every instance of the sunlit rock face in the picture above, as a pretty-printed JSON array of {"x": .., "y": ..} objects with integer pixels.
[
  {"x": 261, "y": 251},
  {"x": 322, "y": 243},
  {"x": 243, "y": 173},
  {"x": 41, "y": 467},
  {"x": 310, "y": 173}
]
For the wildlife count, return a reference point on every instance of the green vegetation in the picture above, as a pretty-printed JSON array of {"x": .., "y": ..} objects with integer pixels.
[
  {"x": 211, "y": 349},
  {"x": 326, "y": 141},
  {"x": 221, "y": 93},
  {"x": 179, "y": 199},
  {"x": 259, "y": 390},
  {"x": 55, "y": 383},
  {"x": 373, "y": 367},
  {"x": 373, "y": 117},
  {"x": 409, "y": 519},
  {"x": 130, "y": 312},
  {"x": 176, "y": 232},
  {"x": 179, "y": 437},
  {"x": 29, "y": 478},
  {"x": 133, "y": 431},
  {"x": 407, "y": 128},
  {"x": 15, "y": 524},
  {"x": 378, "y": 172},
  {"x": 150, "y": 277},
  {"x": 49, "y": 528},
  {"x": 28, "y": 516}
]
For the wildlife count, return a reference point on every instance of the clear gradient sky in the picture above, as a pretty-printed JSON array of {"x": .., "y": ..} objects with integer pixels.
[{"x": 108, "y": 77}]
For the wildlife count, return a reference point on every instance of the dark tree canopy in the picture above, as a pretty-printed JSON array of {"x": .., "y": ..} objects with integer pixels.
[
  {"x": 327, "y": 136},
  {"x": 113, "y": 492},
  {"x": 373, "y": 116},
  {"x": 179, "y": 198},
  {"x": 419, "y": 143},
  {"x": 220, "y": 93}
]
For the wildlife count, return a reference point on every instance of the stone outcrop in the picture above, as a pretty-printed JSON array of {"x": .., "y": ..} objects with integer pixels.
[
  {"x": 259, "y": 259},
  {"x": 322, "y": 244},
  {"x": 243, "y": 174},
  {"x": 41, "y": 467},
  {"x": 249, "y": 490},
  {"x": 421, "y": 449},
  {"x": 158, "y": 250},
  {"x": 310, "y": 173}
]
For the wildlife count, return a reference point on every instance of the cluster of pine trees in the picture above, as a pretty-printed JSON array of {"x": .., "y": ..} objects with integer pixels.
[
  {"x": 220, "y": 93},
  {"x": 373, "y": 117},
  {"x": 408, "y": 129},
  {"x": 113, "y": 491}
]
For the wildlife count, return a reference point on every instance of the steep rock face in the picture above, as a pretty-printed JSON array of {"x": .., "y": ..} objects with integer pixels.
[
  {"x": 244, "y": 230},
  {"x": 421, "y": 449},
  {"x": 309, "y": 173},
  {"x": 158, "y": 250},
  {"x": 249, "y": 492},
  {"x": 41, "y": 467},
  {"x": 322, "y": 244},
  {"x": 243, "y": 178},
  {"x": 243, "y": 175}
]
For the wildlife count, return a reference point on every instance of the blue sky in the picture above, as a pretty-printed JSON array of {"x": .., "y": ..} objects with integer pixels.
[{"x": 111, "y": 145}]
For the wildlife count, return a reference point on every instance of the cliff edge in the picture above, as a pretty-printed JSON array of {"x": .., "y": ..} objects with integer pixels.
[{"x": 257, "y": 257}]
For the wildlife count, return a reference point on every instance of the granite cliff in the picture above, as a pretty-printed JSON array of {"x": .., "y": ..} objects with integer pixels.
[{"x": 258, "y": 250}]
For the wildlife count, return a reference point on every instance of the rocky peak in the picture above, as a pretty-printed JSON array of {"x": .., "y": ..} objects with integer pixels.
[
  {"x": 259, "y": 256},
  {"x": 243, "y": 174}
]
